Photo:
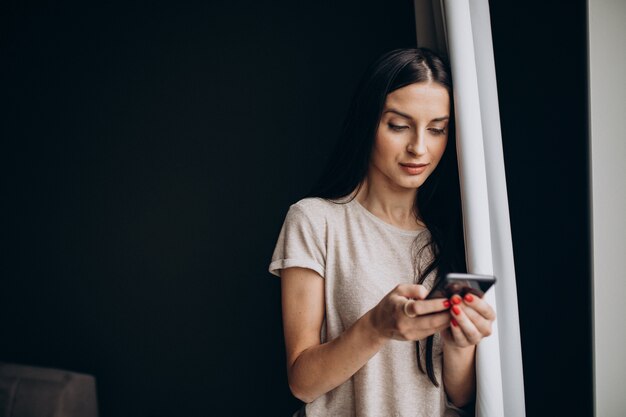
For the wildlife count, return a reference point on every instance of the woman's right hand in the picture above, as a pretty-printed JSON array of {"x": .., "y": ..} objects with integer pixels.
[
  {"x": 405, "y": 314},
  {"x": 315, "y": 368}
]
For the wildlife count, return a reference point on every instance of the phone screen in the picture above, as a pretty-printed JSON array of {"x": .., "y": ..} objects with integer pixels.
[{"x": 461, "y": 284}]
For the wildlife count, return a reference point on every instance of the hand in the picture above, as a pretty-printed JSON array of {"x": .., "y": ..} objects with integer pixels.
[
  {"x": 404, "y": 314},
  {"x": 472, "y": 319}
]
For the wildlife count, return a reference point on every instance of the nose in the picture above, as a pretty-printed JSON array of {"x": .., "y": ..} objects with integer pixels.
[{"x": 417, "y": 144}]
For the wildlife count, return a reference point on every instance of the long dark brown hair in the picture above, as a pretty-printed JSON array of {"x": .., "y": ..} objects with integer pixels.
[{"x": 438, "y": 200}]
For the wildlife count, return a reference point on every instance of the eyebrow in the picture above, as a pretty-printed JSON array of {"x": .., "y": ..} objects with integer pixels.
[{"x": 399, "y": 113}]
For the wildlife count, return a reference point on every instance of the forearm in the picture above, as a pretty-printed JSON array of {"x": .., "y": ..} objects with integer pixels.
[
  {"x": 459, "y": 374},
  {"x": 322, "y": 368}
]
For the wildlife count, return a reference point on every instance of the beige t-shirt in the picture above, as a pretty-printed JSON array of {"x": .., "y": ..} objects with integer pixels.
[{"x": 361, "y": 259}]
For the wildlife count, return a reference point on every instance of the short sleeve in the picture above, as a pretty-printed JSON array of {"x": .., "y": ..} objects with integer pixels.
[{"x": 301, "y": 242}]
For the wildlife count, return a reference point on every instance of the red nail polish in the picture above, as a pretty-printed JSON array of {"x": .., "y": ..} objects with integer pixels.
[
  {"x": 469, "y": 297},
  {"x": 454, "y": 323},
  {"x": 446, "y": 304},
  {"x": 456, "y": 310},
  {"x": 456, "y": 299}
]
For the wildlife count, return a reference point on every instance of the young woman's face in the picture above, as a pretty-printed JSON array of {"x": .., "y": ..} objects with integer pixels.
[{"x": 412, "y": 134}]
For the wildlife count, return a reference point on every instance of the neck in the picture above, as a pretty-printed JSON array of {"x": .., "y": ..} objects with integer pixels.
[{"x": 393, "y": 205}]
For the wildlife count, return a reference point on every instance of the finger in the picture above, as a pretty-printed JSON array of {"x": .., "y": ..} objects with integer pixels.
[
  {"x": 437, "y": 321},
  {"x": 414, "y": 291},
  {"x": 431, "y": 323},
  {"x": 470, "y": 331},
  {"x": 480, "y": 306},
  {"x": 420, "y": 334},
  {"x": 425, "y": 307},
  {"x": 482, "y": 324},
  {"x": 457, "y": 334},
  {"x": 456, "y": 299}
]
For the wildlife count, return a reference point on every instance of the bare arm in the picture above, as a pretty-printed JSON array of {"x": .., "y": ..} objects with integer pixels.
[
  {"x": 459, "y": 375},
  {"x": 472, "y": 319},
  {"x": 314, "y": 368}
]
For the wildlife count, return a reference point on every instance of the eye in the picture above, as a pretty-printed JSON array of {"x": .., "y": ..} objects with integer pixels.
[
  {"x": 396, "y": 128},
  {"x": 437, "y": 131}
]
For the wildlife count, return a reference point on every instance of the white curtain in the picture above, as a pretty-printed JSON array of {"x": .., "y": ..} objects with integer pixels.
[{"x": 461, "y": 30}]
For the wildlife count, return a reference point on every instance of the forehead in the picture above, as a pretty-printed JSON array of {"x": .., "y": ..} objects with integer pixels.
[{"x": 420, "y": 100}]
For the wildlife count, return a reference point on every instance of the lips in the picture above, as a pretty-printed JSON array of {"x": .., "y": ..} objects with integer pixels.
[
  {"x": 413, "y": 165},
  {"x": 413, "y": 169}
]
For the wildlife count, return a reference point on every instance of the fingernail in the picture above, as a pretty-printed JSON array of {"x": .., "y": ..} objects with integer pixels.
[
  {"x": 446, "y": 304},
  {"x": 456, "y": 299},
  {"x": 454, "y": 323},
  {"x": 456, "y": 310},
  {"x": 469, "y": 298}
]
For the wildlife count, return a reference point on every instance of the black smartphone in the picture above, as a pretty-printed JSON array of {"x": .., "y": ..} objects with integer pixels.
[{"x": 461, "y": 284}]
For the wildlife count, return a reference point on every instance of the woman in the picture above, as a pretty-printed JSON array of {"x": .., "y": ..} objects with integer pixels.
[{"x": 358, "y": 255}]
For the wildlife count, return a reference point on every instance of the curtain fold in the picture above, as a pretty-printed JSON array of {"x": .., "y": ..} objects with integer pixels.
[{"x": 461, "y": 30}]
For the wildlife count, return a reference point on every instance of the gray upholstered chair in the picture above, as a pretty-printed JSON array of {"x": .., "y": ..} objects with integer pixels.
[{"x": 27, "y": 391}]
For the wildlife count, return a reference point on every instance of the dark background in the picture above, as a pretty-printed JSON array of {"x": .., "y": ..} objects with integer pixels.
[{"x": 152, "y": 150}]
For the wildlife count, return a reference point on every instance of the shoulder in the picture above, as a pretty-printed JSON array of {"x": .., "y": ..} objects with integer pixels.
[
  {"x": 318, "y": 213},
  {"x": 315, "y": 203},
  {"x": 317, "y": 208}
]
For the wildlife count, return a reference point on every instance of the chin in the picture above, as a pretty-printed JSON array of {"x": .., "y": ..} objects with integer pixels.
[
  {"x": 411, "y": 184},
  {"x": 406, "y": 182}
]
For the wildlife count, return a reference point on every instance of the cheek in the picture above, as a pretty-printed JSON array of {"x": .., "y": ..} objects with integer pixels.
[
  {"x": 383, "y": 146},
  {"x": 440, "y": 149}
]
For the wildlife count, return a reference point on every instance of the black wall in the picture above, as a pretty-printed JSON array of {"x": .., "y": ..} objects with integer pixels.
[
  {"x": 152, "y": 151},
  {"x": 541, "y": 64}
]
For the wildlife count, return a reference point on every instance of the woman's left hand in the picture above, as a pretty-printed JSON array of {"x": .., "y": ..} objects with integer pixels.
[{"x": 471, "y": 320}]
